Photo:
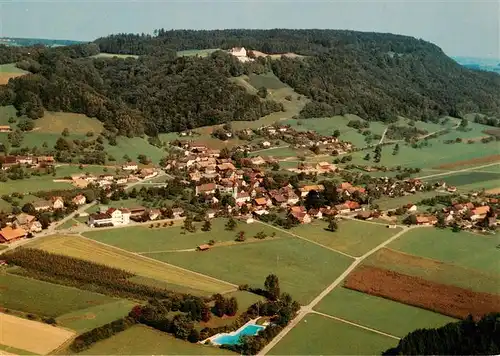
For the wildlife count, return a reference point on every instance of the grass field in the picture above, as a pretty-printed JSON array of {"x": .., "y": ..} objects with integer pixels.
[
  {"x": 7, "y": 112},
  {"x": 141, "y": 340},
  {"x": 197, "y": 52},
  {"x": 467, "y": 178},
  {"x": 45, "y": 299},
  {"x": 279, "y": 152},
  {"x": 436, "y": 271},
  {"x": 303, "y": 268},
  {"x": 9, "y": 350},
  {"x": 33, "y": 336},
  {"x": 133, "y": 147},
  {"x": 387, "y": 202},
  {"x": 463, "y": 249},
  {"x": 319, "y": 335},
  {"x": 32, "y": 185},
  {"x": 267, "y": 80},
  {"x": 171, "y": 238},
  {"x": 86, "y": 249},
  {"x": 56, "y": 122},
  {"x": 352, "y": 237},
  {"x": 378, "y": 313},
  {"x": 113, "y": 55},
  {"x": 95, "y": 316},
  {"x": 8, "y": 71}
]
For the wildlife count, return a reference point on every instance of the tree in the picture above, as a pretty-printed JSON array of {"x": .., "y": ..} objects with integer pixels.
[
  {"x": 367, "y": 157},
  {"x": 231, "y": 224},
  {"x": 207, "y": 226},
  {"x": 231, "y": 306},
  {"x": 15, "y": 138},
  {"x": 262, "y": 92},
  {"x": 378, "y": 154},
  {"x": 272, "y": 286},
  {"x": 332, "y": 225},
  {"x": 211, "y": 242},
  {"x": 62, "y": 145},
  {"x": 240, "y": 237},
  {"x": 219, "y": 308},
  {"x": 260, "y": 235},
  {"x": 28, "y": 208},
  {"x": 396, "y": 149},
  {"x": 336, "y": 133},
  {"x": 463, "y": 124},
  {"x": 441, "y": 223},
  {"x": 225, "y": 153},
  {"x": 65, "y": 132},
  {"x": 188, "y": 224},
  {"x": 143, "y": 159},
  {"x": 26, "y": 125}
]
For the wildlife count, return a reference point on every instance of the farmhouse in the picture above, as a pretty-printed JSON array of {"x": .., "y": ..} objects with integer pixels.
[
  {"x": 426, "y": 220},
  {"x": 306, "y": 189},
  {"x": 479, "y": 212},
  {"x": 203, "y": 247},
  {"x": 57, "y": 202},
  {"x": 42, "y": 205},
  {"x": 9, "y": 234},
  {"x": 208, "y": 188},
  {"x": 111, "y": 217},
  {"x": 79, "y": 199},
  {"x": 5, "y": 128},
  {"x": 177, "y": 212},
  {"x": 130, "y": 166}
]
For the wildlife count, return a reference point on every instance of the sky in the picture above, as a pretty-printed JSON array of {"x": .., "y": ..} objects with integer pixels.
[{"x": 460, "y": 28}]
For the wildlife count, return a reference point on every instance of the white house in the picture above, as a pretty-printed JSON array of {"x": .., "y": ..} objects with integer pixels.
[
  {"x": 79, "y": 199},
  {"x": 238, "y": 51},
  {"x": 57, "y": 203},
  {"x": 130, "y": 166},
  {"x": 111, "y": 216}
]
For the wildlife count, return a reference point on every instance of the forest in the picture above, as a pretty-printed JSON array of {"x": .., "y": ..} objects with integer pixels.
[
  {"x": 465, "y": 337},
  {"x": 376, "y": 76}
]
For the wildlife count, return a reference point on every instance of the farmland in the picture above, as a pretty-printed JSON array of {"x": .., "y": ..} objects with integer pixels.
[
  {"x": 8, "y": 71},
  {"x": 320, "y": 335},
  {"x": 56, "y": 122},
  {"x": 378, "y": 313},
  {"x": 45, "y": 299},
  {"x": 86, "y": 249},
  {"x": 387, "y": 202},
  {"x": 32, "y": 336},
  {"x": 268, "y": 81},
  {"x": 468, "y": 178},
  {"x": 86, "y": 319},
  {"x": 173, "y": 238},
  {"x": 141, "y": 340},
  {"x": 352, "y": 237},
  {"x": 445, "y": 299},
  {"x": 303, "y": 268},
  {"x": 133, "y": 147},
  {"x": 436, "y": 271},
  {"x": 463, "y": 249}
]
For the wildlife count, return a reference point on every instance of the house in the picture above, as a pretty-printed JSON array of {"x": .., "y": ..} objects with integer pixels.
[
  {"x": 262, "y": 202},
  {"x": 154, "y": 214},
  {"x": 307, "y": 188},
  {"x": 479, "y": 212},
  {"x": 325, "y": 167},
  {"x": 238, "y": 51},
  {"x": 137, "y": 210},
  {"x": 147, "y": 173},
  {"x": 265, "y": 144},
  {"x": 177, "y": 212},
  {"x": 410, "y": 207},
  {"x": 45, "y": 160},
  {"x": 100, "y": 219},
  {"x": 292, "y": 198},
  {"x": 42, "y": 205},
  {"x": 257, "y": 161},
  {"x": 9, "y": 234},
  {"x": 364, "y": 215},
  {"x": 301, "y": 216},
  {"x": 57, "y": 202},
  {"x": 208, "y": 188},
  {"x": 203, "y": 247},
  {"x": 210, "y": 214},
  {"x": 112, "y": 216},
  {"x": 353, "y": 205},
  {"x": 316, "y": 213},
  {"x": 426, "y": 220},
  {"x": 79, "y": 199},
  {"x": 130, "y": 166},
  {"x": 5, "y": 128},
  {"x": 342, "y": 208},
  {"x": 121, "y": 179},
  {"x": 241, "y": 197},
  {"x": 451, "y": 189},
  {"x": 23, "y": 220},
  {"x": 279, "y": 200},
  {"x": 24, "y": 159}
]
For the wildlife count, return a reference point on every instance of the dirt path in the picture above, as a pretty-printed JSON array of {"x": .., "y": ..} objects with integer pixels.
[
  {"x": 357, "y": 325},
  {"x": 309, "y": 308},
  {"x": 306, "y": 239}
]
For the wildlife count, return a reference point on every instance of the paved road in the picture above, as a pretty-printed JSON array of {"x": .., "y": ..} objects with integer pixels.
[{"x": 309, "y": 308}]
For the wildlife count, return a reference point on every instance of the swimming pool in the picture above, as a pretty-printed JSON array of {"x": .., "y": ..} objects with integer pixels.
[{"x": 233, "y": 339}]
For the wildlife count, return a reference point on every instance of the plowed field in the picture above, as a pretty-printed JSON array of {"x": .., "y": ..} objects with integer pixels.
[
  {"x": 470, "y": 162},
  {"x": 445, "y": 299}
]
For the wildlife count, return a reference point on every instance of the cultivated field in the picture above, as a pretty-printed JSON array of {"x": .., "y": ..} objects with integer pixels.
[
  {"x": 379, "y": 313},
  {"x": 435, "y": 271},
  {"x": 86, "y": 249},
  {"x": 320, "y": 335},
  {"x": 133, "y": 147},
  {"x": 45, "y": 299},
  {"x": 480, "y": 179},
  {"x": 268, "y": 81},
  {"x": 352, "y": 237},
  {"x": 86, "y": 319},
  {"x": 173, "y": 238},
  {"x": 464, "y": 249},
  {"x": 304, "y": 269},
  {"x": 31, "y": 335},
  {"x": 141, "y": 340},
  {"x": 445, "y": 299},
  {"x": 386, "y": 202},
  {"x": 32, "y": 185},
  {"x": 8, "y": 71}
]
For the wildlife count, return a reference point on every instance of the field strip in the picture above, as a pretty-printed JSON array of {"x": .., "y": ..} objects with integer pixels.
[
  {"x": 459, "y": 171},
  {"x": 306, "y": 239},
  {"x": 309, "y": 308},
  {"x": 357, "y": 325},
  {"x": 165, "y": 251},
  {"x": 164, "y": 263}
]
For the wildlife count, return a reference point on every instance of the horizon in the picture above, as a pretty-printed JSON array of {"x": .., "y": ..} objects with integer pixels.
[{"x": 454, "y": 26}]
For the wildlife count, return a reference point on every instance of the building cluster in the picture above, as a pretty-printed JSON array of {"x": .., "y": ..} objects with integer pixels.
[
  {"x": 122, "y": 216},
  {"x": 130, "y": 174},
  {"x": 31, "y": 161}
]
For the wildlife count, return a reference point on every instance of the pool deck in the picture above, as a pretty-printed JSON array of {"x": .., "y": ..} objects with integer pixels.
[{"x": 232, "y": 333}]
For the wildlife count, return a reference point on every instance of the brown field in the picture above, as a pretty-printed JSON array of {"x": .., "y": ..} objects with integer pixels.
[
  {"x": 445, "y": 299},
  {"x": 31, "y": 335},
  {"x": 492, "y": 132},
  {"x": 470, "y": 162},
  {"x": 4, "y": 77}
]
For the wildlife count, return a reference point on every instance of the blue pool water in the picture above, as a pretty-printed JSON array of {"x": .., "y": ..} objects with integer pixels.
[{"x": 250, "y": 329}]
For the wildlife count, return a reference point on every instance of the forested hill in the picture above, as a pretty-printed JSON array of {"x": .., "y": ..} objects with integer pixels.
[
  {"x": 374, "y": 75},
  {"x": 150, "y": 95}
]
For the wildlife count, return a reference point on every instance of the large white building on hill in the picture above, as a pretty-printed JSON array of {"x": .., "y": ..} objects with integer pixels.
[{"x": 240, "y": 53}]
